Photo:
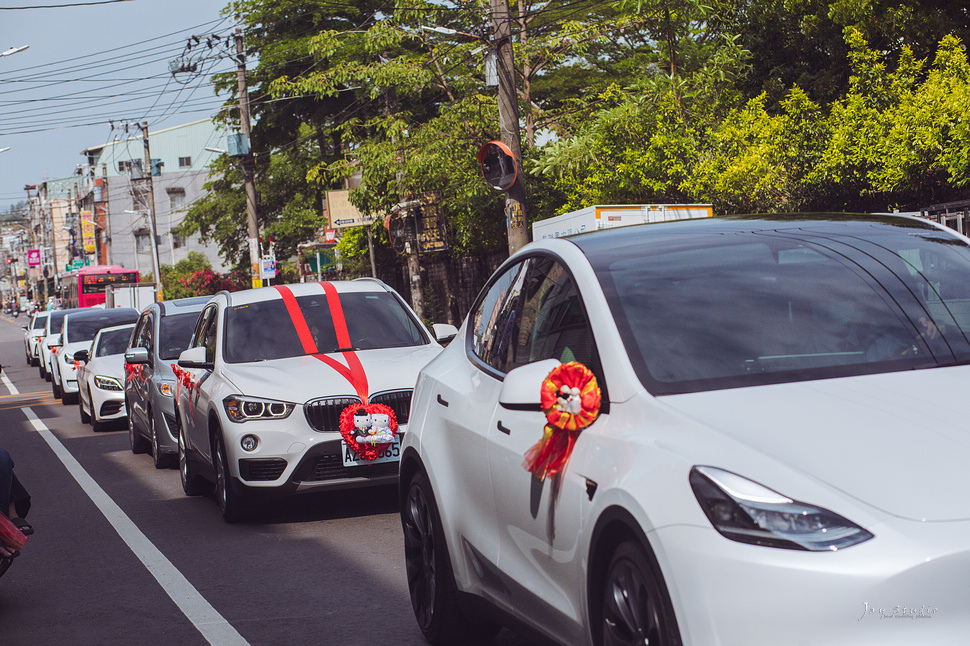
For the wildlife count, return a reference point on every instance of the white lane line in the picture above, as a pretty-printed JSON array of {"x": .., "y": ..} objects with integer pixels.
[{"x": 214, "y": 628}]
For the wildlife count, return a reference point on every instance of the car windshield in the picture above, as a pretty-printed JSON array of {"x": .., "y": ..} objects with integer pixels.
[
  {"x": 56, "y": 318},
  {"x": 113, "y": 342},
  {"x": 175, "y": 333},
  {"x": 709, "y": 310},
  {"x": 264, "y": 330},
  {"x": 38, "y": 323},
  {"x": 83, "y": 328}
]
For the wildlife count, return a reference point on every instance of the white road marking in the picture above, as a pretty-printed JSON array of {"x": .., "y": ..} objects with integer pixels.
[{"x": 214, "y": 628}]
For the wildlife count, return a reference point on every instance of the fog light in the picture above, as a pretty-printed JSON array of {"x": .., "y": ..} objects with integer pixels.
[{"x": 249, "y": 442}]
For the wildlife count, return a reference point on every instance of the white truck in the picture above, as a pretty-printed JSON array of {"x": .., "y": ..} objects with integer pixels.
[
  {"x": 609, "y": 216},
  {"x": 137, "y": 295}
]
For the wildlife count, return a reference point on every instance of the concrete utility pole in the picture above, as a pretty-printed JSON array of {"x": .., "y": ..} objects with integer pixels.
[
  {"x": 508, "y": 110},
  {"x": 147, "y": 177},
  {"x": 248, "y": 165}
]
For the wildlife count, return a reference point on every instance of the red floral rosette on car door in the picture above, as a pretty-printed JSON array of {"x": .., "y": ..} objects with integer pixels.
[{"x": 570, "y": 398}]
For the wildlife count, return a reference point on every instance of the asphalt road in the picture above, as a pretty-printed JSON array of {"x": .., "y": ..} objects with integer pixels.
[{"x": 122, "y": 556}]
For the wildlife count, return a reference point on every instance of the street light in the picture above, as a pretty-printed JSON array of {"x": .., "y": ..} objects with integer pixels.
[{"x": 14, "y": 50}]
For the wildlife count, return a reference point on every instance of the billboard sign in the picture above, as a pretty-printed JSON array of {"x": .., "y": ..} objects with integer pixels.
[
  {"x": 343, "y": 214},
  {"x": 33, "y": 257}
]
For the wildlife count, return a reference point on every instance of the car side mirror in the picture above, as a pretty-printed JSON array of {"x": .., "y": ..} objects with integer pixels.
[
  {"x": 444, "y": 333},
  {"x": 522, "y": 386},
  {"x": 194, "y": 358},
  {"x": 136, "y": 355},
  {"x": 82, "y": 356},
  {"x": 26, "y": 327}
]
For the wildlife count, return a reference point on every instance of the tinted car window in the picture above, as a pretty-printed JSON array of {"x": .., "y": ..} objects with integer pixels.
[
  {"x": 495, "y": 320},
  {"x": 175, "y": 333},
  {"x": 38, "y": 323},
  {"x": 114, "y": 342},
  {"x": 719, "y": 311},
  {"x": 264, "y": 330},
  {"x": 83, "y": 328}
]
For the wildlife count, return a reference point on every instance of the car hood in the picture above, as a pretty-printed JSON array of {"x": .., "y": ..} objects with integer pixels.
[
  {"x": 898, "y": 441},
  {"x": 300, "y": 379},
  {"x": 112, "y": 365}
]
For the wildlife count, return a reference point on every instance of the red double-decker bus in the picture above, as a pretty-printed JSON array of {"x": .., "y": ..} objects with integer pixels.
[{"x": 86, "y": 286}]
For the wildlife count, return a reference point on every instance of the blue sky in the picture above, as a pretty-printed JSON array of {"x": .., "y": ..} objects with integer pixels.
[{"x": 88, "y": 66}]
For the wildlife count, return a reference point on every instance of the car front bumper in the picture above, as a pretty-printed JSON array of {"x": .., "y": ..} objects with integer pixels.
[{"x": 907, "y": 585}]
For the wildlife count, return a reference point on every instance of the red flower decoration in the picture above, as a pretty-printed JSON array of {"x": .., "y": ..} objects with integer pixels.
[
  {"x": 362, "y": 434},
  {"x": 571, "y": 399}
]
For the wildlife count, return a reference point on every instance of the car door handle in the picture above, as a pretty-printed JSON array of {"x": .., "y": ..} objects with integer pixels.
[
  {"x": 442, "y": 401},
  {"x": 503, "y": 428}
]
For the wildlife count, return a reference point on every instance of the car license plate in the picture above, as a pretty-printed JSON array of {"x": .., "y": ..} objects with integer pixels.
[{"x": 391, "y": 454}]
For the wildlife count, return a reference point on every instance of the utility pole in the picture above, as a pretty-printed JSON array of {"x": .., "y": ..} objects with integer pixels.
[
  {"x": 147, "y": 177},
  {"x": 508, "y": 111},
  {"x": 410, "y": 225},
  {"x": 248, "y": 163}
]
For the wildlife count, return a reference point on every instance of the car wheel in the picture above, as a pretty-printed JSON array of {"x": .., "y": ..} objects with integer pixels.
[
  {"x": 431, "y": 582},
  {"x": 192, "y": 483},
  {"x": 138, "y": 443},
  {"x": 85, "y": 418},
  {"x": 40, "y": 369},
  {"x": 56, "y": 389},
  {"x": 232, "y": 502},
  {"x": 68, "y": 398},
  {"x": 161, "y": 460},
  {"x": 634, "y": 606}
]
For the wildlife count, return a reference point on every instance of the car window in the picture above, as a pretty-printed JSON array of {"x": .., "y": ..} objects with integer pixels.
[
  {"x": 200, "y": 325},
  {"x": 83, "y": 328},
  {"x": 718, "y": 312},
  {"x": 208, "y": 336},
  {"x": 265, "y": 330},
  {"x": 494, "y": 321},
  {"x": 113, "y": 342},
  {"x": 38, "y": 323},
  {"x": 175, "y": 332},
  {"x": 554, "y": 324}
]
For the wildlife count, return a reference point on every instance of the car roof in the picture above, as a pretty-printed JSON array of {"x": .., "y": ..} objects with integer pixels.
[
  {"x": 183, "y": 305},
  {"x": 114, "y": 313},
  {"x": 260, "y": 294},
  {"x": 604, "y": 246},
  {"x": 115, "y": 328}
]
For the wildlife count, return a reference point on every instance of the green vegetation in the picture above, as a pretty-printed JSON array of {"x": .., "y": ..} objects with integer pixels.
[{"x": 751, "y": 105}]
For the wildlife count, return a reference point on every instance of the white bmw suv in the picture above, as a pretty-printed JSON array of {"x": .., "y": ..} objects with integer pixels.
[{"x": 294, "y": 388}]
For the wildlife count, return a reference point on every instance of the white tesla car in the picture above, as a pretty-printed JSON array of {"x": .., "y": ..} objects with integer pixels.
[
  {"x": 279, "y": 384},
  {"x": 101, "y": 377},
  {"x": 779, "y": 453}
]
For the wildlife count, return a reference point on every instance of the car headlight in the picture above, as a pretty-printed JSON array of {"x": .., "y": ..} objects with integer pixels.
[
  {"x": 108, "y": 383},
  {"x": 747, "y": 512},
  {"x": 244, "y": 409},
  {"x": 166, "y": 388}
]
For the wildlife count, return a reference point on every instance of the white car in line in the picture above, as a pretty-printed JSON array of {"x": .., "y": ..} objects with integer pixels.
[
  {"x": 101, "y": 377},
  {"x": 779, "y": 455},
  {"x": 77, "y": 331},
  {"x": 50, "y": 341},
  {"x": 269, "y": 372},
  {"x": 33, "y": 335}
]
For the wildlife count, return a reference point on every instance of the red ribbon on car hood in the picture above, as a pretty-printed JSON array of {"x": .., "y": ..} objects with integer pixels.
[{"x": 354, "y": 370}]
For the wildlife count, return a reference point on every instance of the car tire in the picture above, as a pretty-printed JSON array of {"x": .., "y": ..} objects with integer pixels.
[
  {"x": 68, "y": 398},
  {"x": 56, "y": 389},
  {"x": 138, "y": 443},
  {"x": 232, "y": 501},
  {"x": 634, "y": 605},
  {"x": 159, "y": 459},
  {"x": 192, "y": 483},
  {"x": 85, "y": 418},
  {"x": 431, "y": 581}
]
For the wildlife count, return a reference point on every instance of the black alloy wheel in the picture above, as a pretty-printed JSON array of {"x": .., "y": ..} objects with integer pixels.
[
  {"x": 138, "y": 443},
  {"x": 159, "y": 459},
  {"x": 192, "y": 483},
  {"x": 431, "y": 581},
  {"x": 85, "y": 418},
  {"x": 232, "y": 503},
  {"x": 635, "y": 606}
]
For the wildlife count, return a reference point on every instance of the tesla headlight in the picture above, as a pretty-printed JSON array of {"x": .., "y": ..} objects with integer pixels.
[
  {"x": 108, "y": 383},
  {"x": 244, "y": 409},
  {"x": 747, "y": 512}
]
